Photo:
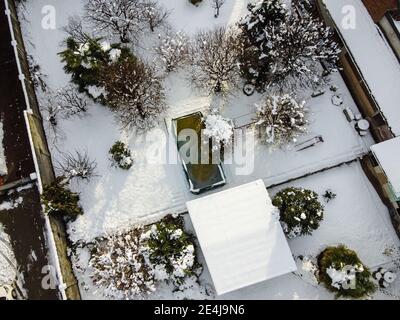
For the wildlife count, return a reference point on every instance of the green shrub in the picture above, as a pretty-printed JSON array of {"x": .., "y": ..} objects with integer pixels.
[
  {"x": 343, "y": 261},
  {"x": 121, "y": 155},
  {"x": 300, "y": 211},
  {"x": 84, "y": 61},
  {"x": 170, "y": 250},
  {"x": 57, "y": 198}
]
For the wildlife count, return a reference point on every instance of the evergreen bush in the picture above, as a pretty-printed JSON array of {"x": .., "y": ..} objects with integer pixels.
[
  {"x": 300, "y": 211},
  {"x": 343, "y": 273},
  {"x": 121, "y": 155},
  {"x": 58, "y": 198}
]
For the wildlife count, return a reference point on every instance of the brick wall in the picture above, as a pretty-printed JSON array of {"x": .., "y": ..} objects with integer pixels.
[{"x": 378, "y": 8}]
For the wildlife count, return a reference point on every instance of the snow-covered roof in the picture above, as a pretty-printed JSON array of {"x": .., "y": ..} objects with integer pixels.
[
  {"x": 388, "y": 155},
  {"x": 241, "y": 237},
  {"x": 373, "y": 55}
]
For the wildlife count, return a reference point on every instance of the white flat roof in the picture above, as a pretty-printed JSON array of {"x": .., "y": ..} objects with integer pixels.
[
  {"x": 241, "y": 237},
  {"x": 374, "y": 57},
  {"x": 388, "y": 155}
]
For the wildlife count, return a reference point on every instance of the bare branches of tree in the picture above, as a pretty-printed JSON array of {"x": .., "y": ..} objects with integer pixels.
[
  {"x": 134, "y": 93},
  {"x": 75, "y": 29},
  {"x": 217, "y": 4},
  {"x": 76, "y": 165},
  {"x": 153, "y": 14},
  {"x": 121, "y": 17},
  {"x": 173, "y": 50},
  {"x": 70, "y": 102},
  {"x": 214, "y": 56}
]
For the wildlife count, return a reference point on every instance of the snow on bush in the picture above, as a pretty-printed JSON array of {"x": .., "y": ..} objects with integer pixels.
[
  {"x": 121, "y": 155},
  {"x": 132, "y": 264},
  {"x": 219, "y": 129},
  {"x": 173, "y": 50},
  {"x": 281, "y": 119},
  {"x": 343, "y": 273},
  {"x": 170, "y": 251},
  {"x": 119, "y": 268},
  {"x": 282, "y": 48},
  {"x": 85, "y": 60},
  {"x": 300, "y": 211}
]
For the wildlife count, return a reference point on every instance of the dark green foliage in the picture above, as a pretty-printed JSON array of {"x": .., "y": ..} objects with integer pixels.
[
  {"x": 121, "y": 155},
  {"x": 339, "y": 257},
  {"x": 300, "y": 210},
  {"x": 268, "y": 12},
  {"x": 329, "y": 195},
  {"x": 58, "y": 198},
  {"x": 84, "y": 61},
  {"x": 165, "y": 247}
]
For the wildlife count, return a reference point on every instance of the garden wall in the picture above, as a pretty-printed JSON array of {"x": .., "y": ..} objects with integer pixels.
[{"x": 57, "y": 238}]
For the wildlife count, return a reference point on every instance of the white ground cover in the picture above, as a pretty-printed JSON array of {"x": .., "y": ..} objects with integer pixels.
[
  {"x": 356, "y": 218},
  {"x": 116, "y": 198},
  {"x": 7, "y": 259}
]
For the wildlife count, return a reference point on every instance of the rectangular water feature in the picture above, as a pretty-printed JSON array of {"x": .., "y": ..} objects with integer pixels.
[{"x": 201, "y": 176}]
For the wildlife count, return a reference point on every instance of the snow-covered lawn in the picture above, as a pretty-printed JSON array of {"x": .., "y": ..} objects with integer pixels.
[
  {"x": 7, "y": 259},
  {"x": 356, "y": 218},
  {"x": 115, "y": 198}
]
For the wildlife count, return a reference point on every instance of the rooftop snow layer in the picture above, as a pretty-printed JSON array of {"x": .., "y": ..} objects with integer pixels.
[
  {"x": 241, "y": 237},
  {"x": 374, "y": 57}
]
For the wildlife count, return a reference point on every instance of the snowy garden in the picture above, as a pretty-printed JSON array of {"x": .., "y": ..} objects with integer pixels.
[{"x": 110, "y": 78}]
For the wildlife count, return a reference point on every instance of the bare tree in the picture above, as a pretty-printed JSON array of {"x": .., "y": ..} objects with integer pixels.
[
  {"x": 173, "y": 50},
  {"x": 122, "y": 17},
  {"x": 134, "y": 92},
  {"x": 76, "y": 165},
  {"x": 154, "y": 14},
  {"x": 214, "y": 57},
  {"x": 51, "y": 115},
  {"x": 75, "y": 29},
  {"x": 217, "y": 4},
  {"x": 70, "y": 102}
]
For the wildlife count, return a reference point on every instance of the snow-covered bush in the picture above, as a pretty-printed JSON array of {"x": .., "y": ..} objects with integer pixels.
[
  {"x": 170, "y": 251},
  {"x": 282, "y": 48},
  {"x": 281, "y": 119},
  {"x": 84, "y": 61},
  {"x": 134, "y": 92},
  {"x": 173, "y": 50},
  {"x": 300, "y": 211},
  {"x": 121, "y": 155},
  {"x": 214, "y": 60},
  {"x": 119, "y": 267},
  {"x": 59, "y": 199},
  {"x": 219, "y": 130},
  {"x": 342, "y": 272}
]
